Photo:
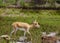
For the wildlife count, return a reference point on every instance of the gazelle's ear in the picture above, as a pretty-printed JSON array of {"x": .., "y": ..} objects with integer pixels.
[{"x": 35, "y": 20}]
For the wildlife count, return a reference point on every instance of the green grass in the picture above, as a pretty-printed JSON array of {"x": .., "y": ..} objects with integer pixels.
[{"x": 49, "y": 21}]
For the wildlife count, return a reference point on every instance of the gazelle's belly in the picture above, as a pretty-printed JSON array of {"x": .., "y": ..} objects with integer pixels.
[{"x": 22, "y": 29}]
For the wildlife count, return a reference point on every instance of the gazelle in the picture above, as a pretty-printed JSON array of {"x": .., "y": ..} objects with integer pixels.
[{"x": 24, "y": 26}]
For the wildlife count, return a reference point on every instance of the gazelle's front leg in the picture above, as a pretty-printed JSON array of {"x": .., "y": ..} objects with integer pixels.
[
  {"x": 29, "y": 34},
  {"x": 23, "y": 29}
]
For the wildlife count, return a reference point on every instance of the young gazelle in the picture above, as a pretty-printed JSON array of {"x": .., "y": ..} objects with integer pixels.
[{"x": 24, "y": 27}]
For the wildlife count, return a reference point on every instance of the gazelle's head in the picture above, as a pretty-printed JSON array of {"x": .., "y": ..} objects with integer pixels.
[{"x": 36, "y": 24}]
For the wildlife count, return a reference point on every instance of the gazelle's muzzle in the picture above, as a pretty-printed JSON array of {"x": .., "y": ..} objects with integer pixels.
[{"x": 37, "y": 26}]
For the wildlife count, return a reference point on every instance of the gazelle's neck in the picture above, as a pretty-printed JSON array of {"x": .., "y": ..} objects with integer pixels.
[{"x": 31, "y": 26}]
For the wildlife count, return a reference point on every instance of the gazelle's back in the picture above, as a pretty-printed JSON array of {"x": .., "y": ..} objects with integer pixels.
[{"x": 20, "y": 25}]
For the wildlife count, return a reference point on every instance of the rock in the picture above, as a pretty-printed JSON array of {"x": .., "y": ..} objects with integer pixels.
[{"x": 22, "y": 38}]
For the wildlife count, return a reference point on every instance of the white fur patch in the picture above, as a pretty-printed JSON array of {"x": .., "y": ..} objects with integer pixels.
[{"x": 22, "y": 29}]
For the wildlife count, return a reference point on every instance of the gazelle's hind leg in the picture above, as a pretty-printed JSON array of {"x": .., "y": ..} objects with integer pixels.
[
  {"x": 14, "y": 31},
  {"x": 24, "y": 33}
]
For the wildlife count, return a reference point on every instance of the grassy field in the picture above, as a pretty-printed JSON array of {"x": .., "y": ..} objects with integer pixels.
[{"x": 49, "y": 21}]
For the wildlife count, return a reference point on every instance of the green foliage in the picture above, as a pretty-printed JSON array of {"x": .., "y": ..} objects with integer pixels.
[
  {"x": 22, "y": 2},
  {"x": 28, "y": 4},
  {"x": 11, "y": 1},
  {"x": 49, "y": 21}
]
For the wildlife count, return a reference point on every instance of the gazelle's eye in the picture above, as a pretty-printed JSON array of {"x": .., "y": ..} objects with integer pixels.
[
  {"x": 39, "y": 23},
  {"x": 35, "y": 23}
]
